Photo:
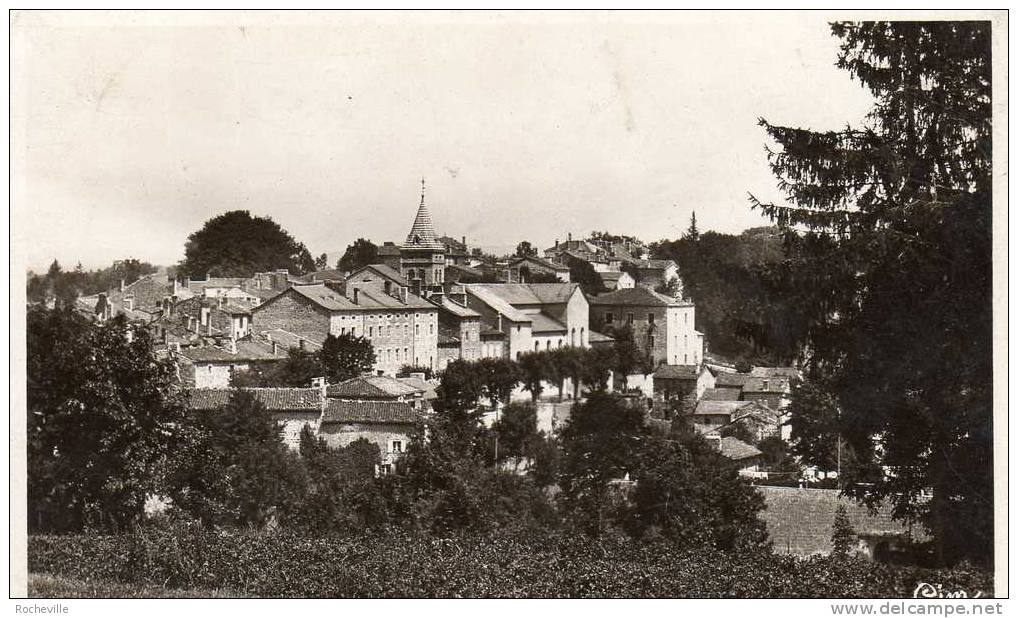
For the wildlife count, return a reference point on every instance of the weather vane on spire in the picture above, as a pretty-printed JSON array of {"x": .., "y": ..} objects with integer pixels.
[{"x": 422, "y": 190}]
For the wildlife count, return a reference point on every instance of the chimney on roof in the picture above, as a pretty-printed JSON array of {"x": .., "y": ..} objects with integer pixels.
[
  {"x": 300, "y": 343},
  {"x": 556, "y": 243},
  {"x": 570, "y": 237},
  {"x": 275, "y": 348},
  {"x": 464, "y": 243},
  {"x": 356, "y": 295},
  {"x": 121, "y": 285}
]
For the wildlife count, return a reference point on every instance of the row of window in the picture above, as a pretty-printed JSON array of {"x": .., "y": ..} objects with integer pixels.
[
  {"x": 609, "y": 318},
  {"x": 386, "y": 331}
]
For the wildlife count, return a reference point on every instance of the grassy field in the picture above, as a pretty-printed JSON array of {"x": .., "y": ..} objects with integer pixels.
[{"x": 46, "y": 586}]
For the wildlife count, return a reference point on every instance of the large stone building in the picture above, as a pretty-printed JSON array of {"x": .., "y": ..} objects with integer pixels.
[
  {"x": 533, "y": 317},
  {"x": 402, "y": 327},
  {"x": 662, "y": 327}
]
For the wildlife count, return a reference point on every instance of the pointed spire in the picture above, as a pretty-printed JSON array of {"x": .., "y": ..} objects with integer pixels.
[{"x": 422, "y": 233}]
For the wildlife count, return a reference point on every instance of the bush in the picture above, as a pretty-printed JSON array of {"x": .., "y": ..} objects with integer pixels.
[{"x": 512, "y": 564}]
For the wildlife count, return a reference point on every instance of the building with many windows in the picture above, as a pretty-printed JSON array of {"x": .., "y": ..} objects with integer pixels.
[{"x": 663, "y": 327}]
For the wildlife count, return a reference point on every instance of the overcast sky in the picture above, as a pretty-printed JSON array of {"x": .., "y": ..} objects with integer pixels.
[{"x": 129, "y": 131}]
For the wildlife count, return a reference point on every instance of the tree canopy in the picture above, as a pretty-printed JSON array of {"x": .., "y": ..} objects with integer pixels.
[
  {"x": 102, "y": 414},
  {"x": 887, "y": 235},
  {"x": 235, "y": 244},
  {"x": 358, "y": 255}
]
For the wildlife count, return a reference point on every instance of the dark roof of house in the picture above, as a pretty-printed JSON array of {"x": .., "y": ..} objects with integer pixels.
[
  {"x": 800, "y": 521},
  {"x": 774, "y": 372},
  {"x": 717, "y": 408},
  {"x": 653, "y": 264},
  {"x": 464, "y": 270},
  {"x": 147, "y": 291},
  {"x": 371, "y": 387},
  {"x": 765, "y": 385},
  {"x": 735, "y": 449},
  {"x": 274, "y": 399},
  {"x": 611, "y": 275},
  {"x": 288, "y": 340},
  {"x": 395, "y": 412},
  {"x": 721, "y": 394},
  {"x": 329, "y": 274},
  {"x": 677, "y": 372},
  {"x": 384, "y": 270},
  {"x": 457, "y": 309},
  {"x": 529, "y": 293},
  {"x": 635, "y": 297},
  {"x": 445, "y": 340},
  {"x": 540, "y": 261},
  {"x": 730, "y": 379},
  {"x": 490, "y": 332},
  {"x": 426, "y": 387},
  {"x": 546, "y": 324},
  {"x": 247, "y": 350}
]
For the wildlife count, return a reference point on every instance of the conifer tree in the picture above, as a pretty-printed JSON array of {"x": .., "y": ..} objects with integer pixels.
[{"x": 888, "y": 263}]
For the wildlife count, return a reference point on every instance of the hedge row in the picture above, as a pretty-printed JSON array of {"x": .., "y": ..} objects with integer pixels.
[{"x": 520, "y": 565}]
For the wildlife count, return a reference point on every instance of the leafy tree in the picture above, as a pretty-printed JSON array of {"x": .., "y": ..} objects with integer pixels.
[
  {"x": 597, "y": 367},
  {"x": 322, "y": 262},
  {"x": 525, "y": 249},
  {"x": 516, "y": 427},
  {"x": 297, "y": 370},
  {"x": 739, "y": 431},
  {"x": 406, "y": 370},
  {"x": 346, "y": 356},
  {"x": 599, "y": 443},
  {"x": 888, "y": 242},
  {"x": 235, "y": 244},
  {"x": 534, "y": 370},
  {"x": 627, "y": 355},
  {"x": 776, "y": 455},
  {"x": 498, "y": 376},
  {"x": 688, "y": 492},
  {"x": 582, "y": 272},
  {"x": 843, "y": 535},
  {"x": 102, "y": 416},
  {"x": 358, "y": 255},
  {"x": 234, "y": 469}
]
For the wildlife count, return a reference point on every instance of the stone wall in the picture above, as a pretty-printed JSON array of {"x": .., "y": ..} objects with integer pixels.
[{"x": 293, "y": 313}]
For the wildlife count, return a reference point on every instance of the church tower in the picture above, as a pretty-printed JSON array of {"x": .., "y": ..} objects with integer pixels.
[{"x": 422, "y": 256}]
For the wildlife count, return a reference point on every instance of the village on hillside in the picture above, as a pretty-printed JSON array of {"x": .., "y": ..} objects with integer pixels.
[{"x": 541, "y": 376}]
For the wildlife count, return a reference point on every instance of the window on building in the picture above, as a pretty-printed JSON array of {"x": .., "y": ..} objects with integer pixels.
[
  {"x": 685, "y": 317},
  {"x": 397, "y": 355},
  {"x": 609, "y": 318},
  {"x": 537, "y": 346},
  {"x": 560, "y": 343},
  {"x": 650, "y": 319},
  {"x": 431, "y": 330},
  {"x": 397, "y": 446},
  {"x": 685, "y": 359},
  {"x": 386, "y": 469},
  {"x": 406, "y": 353},
  {"x": 417, "y": 329},
  {"x": 629, "y": 319},
  {"x": 371, "y": 331},
  {"x": 650, "y": 342}
]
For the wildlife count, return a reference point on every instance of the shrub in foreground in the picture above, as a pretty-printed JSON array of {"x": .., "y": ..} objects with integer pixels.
[{"x": 397, "y": 564}]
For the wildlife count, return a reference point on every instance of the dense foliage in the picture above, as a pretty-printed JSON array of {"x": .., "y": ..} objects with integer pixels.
[
  {"x": 740, "y": 312},
  {"x": 235, "y": 244},
  {"x": 63, "y": 287},
  {"x": 531, "y": 564},
  {"x": 358, "y": 255},
  {"x": 887, "y": 240},
  {"x": 340, "y": 358},
  {"x": 101, "y": 416}
]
